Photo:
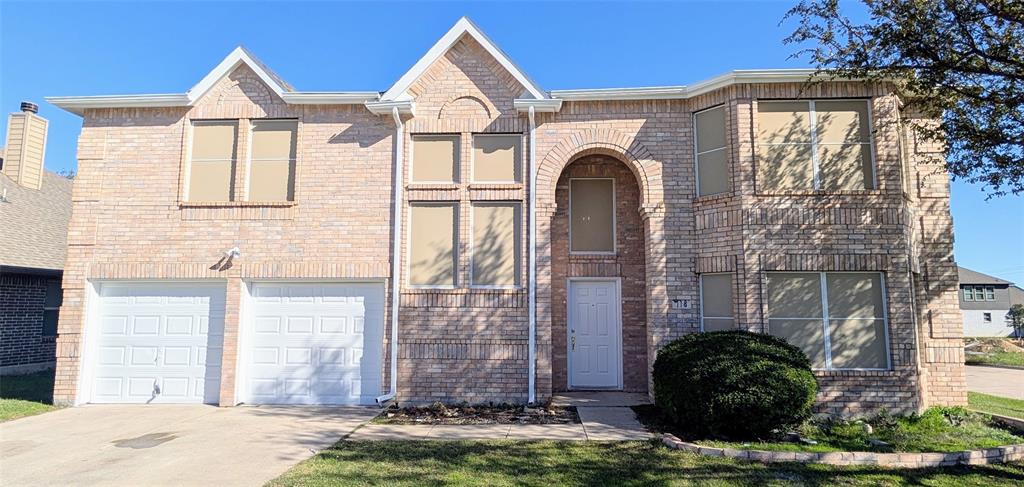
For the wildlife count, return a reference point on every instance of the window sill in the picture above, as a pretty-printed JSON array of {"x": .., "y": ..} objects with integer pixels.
[
  {"x": 823, "y": 192},
  {"x": 711, "y": 198},
  {"x": 496, "y": 185},
  {"x": 445, "y": 186},
  {"x": 236, "y": 204},
  {"x": 840, "y": 373}
]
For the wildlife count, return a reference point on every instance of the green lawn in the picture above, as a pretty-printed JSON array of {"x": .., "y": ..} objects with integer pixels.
[
  {"x": 1012, "y": 359},
  {"x": 26, "y": 395},
  {"x": 545, "y": 463},
  {"x": 1003, "y": 406}
]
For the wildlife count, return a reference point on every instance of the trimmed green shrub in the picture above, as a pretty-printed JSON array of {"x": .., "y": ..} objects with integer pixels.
[{"x": 733, "y": 384}]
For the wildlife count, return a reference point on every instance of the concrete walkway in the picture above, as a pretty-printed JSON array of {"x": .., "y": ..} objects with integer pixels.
[
  {"x": 172, "y": 445},
  {"x": 605, "y": 416},
  {"x": 996, "y": 381}
]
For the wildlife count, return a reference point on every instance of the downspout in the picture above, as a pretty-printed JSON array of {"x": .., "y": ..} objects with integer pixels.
[
  {"x": 532, "y": 354},
  {"x": 396, "y": 249}
]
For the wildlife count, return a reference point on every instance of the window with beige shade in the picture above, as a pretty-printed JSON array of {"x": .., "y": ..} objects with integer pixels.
[
  {"x": 435, "y": 158},
  {"x": 837, "y": 318},
  {"x": 496, "y": 244},
  {"x": 211, "y": 172},
  {"x": 816, "y": 144},
  {"x": 712, "y": 164},
  {"x": 432, "y": 237},
  {"x": 716, "y": 305},
  {"x": 591, "y": 215},
  {"x": 496, "y": 158},
  {"x": 272, "y": 160}
]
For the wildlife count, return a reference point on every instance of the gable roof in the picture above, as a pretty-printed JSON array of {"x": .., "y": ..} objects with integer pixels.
[
  {"x": 463, "y": 26},
  {"x": 968, "y": 276},
  {"x": 35, "y": 228},
  {"x": 234, "y": 59},
  {"x": 397, "y": 96}
]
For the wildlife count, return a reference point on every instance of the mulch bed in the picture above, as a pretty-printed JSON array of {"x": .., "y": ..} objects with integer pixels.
[{"x": 479, "y": 414}]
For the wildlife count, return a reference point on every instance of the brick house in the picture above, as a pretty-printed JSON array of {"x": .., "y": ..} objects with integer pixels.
[
  {"x": 35, "y": 207},
  {"x": 244, "y": 242}
]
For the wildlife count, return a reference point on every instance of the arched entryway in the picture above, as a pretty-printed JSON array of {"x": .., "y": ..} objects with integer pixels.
[{"x": 598, "y": 278}]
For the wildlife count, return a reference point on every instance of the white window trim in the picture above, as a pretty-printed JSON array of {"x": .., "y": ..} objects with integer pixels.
[
  {"x": 813, "y": 118},
  {"x": 827, "y": 343},
  {"x": 696, "y": 155},
  {"x": 615, "y": 223},
  {"x": 455, "y": 244},
  {"x": 472, "y": 243},
  {"x": 248, "y": 155},
  {"x": 700, "y": 289},
  {"x": 191, "y": 141},
  {"x": 456, "y": 162},
  {"x": 472, "y": 158}
]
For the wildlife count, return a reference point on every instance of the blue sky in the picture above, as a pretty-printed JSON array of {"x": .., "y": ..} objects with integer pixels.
[{"x": 94, "y": 48}]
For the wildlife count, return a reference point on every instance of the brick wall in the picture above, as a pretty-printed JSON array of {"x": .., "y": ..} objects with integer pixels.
[
  {"x": 469, "y": 343},
  {"x": 21, "y": 321}
]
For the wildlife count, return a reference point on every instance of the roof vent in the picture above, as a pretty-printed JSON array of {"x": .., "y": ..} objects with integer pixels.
[{"x": 27, "y": 106}]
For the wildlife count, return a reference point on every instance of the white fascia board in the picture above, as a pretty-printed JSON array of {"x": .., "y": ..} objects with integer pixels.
[
  {"x": 386, "y": 107},
  {"x": 330, "y": 97},
  {"x": 463, "y": 26},
  {"x": 78, "y": 104},
  {"x": 238, "y": 56},
  {"x": 688, "y": 91},
  {"x": 546, "y": 105}
]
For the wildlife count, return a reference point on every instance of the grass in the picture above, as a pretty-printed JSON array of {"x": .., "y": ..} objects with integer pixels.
[
  {"x": 1005, "y": 359},
  {"x": 1003, "y": 406},
  {"x": 936, "y": 430},
  {"x": 543, "y": 463},
  {"x": 26, "y": 395}
]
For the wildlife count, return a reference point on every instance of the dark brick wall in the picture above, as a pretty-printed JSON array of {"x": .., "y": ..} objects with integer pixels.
[
  {"x": 628, "y": 264},
  {"x": 21, "y": 321}
]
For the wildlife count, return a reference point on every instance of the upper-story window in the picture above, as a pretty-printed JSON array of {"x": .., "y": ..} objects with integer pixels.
[
  {"x": 592, "y": 215},
  {"x": 432, "y": 237},
  {"x": 272, "y": 160},
  {"x": 212, "y": 163},
  {"x": 712, "y": 165},
  {"x": 435, "y": 158},
  {"x": 817, "y": 144},
  {"x": 496, "y": 158},
  {"x": 979, "y": 293}
]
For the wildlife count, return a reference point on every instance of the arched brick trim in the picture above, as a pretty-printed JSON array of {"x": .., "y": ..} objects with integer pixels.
[
  {"x": 483, "y": 102},
  {"x": 607, "y": 142}
]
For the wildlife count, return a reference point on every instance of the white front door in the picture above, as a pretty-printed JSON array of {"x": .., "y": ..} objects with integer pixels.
[
  {"x": 314, "y": 343},
  {"x": 158, "y": 343},
  {"x": 595, "y": 335}
]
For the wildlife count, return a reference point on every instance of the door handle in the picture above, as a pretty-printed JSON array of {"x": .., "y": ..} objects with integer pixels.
[{"x": 574, "y": 341}]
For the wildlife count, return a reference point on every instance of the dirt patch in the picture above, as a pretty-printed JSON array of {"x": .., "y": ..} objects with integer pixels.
[
  {"x": 992, "y": 345},
  {"x": 480, "y": 414}
]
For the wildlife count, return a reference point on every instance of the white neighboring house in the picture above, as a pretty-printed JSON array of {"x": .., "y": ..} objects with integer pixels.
[{"x": 984, "y": 302}]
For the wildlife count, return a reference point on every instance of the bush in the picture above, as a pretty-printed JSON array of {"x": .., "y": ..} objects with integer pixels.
[{"x": 733, "y": 384}]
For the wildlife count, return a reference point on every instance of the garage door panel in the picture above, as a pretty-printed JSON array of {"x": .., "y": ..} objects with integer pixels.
[
  {"x": 159, "y": 343},
  {"x": 307, "y": 341}
]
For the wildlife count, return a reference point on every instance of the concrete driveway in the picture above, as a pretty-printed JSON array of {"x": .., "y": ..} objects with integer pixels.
[
  {"x": 996, "y": 381},
  {"x": 167, "y": 445}
]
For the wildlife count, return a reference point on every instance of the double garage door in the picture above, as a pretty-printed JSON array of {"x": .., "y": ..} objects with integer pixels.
[{"x": 301, "y": 343}]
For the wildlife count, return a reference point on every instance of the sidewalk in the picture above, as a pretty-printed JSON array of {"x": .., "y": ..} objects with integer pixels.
[{"x": 996, "y": 381}]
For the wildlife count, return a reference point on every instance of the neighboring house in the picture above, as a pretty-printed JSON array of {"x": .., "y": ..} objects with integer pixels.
[
  {"x": 239, "y": 243},
  {"x": 35, "y": 207},
  {"x": 984, "y": 303}
]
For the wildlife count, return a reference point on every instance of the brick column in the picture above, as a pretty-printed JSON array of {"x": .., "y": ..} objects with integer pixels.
[{"x": 229, "y": 357}]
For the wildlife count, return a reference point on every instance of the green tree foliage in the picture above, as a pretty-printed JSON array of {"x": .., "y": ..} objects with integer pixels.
[{"x": 963, "y": 59}]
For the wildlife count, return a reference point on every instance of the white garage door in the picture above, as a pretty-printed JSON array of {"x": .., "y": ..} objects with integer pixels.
[
  {"x": 158, "y": 343},
  {"x": 314, "y": 343}
]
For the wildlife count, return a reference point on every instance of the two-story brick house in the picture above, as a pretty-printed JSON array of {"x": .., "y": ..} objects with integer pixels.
[{"x": 466, "y": 235}]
